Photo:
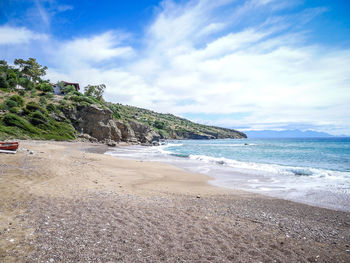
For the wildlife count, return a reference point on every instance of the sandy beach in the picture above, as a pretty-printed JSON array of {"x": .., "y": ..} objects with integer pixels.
[{"x": 67, "y": 202}]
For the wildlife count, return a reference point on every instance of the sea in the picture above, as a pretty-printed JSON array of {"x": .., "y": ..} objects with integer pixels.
[{"x": 314, "y": 171}]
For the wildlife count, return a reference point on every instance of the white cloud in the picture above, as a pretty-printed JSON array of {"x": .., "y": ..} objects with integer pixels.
[
  {"x": 267, "y": 70},
  {"x": 95, "y": 49},
  {"x": 63, "y": 8},
  {"x": 18, "y": 35},
  {"x": 45, "y": 16}
]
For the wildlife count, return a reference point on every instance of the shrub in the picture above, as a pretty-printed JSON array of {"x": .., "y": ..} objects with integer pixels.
[
  {"x": 18, "y": 99},
  {"x": 94, "y": 100},
  {"x": 63, "y": 102},
  {"x": 22, "y": 93},
  {"x": 12, "y": 79},
  {"x": 11, "y": 103},
  {"x": 159, "y": 124},
  {"x": 12, "y": 75},
  {"x": 45, "y": 87},
  {"x": 14, "y": 110},
  {"x": 81, "y": 99},
  {"x": 26, "y": 83},
  {"x": 77, "y": 93},
  {"x": 11, "y": 119},
  {"x": 67, "y": 89},
  {"x": 48, "y": 96},
  {"x": 4, "y": 85},
  {"x": 38, "y": 118},
  {"x": 32, "y": 106},
  {"x": 51, "y": 107},
  {"x": 33, "y": 93},
  {"x": 42, "y": 101},
  {"x": 3, "y": 106}
]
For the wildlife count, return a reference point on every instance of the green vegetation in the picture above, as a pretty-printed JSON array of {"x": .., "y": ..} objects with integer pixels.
[
  {"x": 30, "y": 115},
  {"x": 95, "y": 91},
  {"x": 31, "y": 68},
  {"x": 168, "y": 125},
  {"x": 29, "y": 109}
]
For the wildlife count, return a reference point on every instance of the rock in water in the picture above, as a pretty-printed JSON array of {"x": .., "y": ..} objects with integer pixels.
[{"x": 111, "y": 143}]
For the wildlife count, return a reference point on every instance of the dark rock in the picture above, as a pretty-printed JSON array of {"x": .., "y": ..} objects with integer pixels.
[
  {"x": 87, "y": 137},
  {"x": 144, "y": 133},
  {"x": 94, "y": 121},
  {"x": 127, "y": 134},
  {"x": 111, "y": 143}
]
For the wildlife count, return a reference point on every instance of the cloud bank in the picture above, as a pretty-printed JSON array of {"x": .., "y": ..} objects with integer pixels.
[{"x": 208, "y": 60}]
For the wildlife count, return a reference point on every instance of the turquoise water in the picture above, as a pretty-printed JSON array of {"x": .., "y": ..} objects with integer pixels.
[
  {"x": 326, "y": 154},
  {"x": 312, "y": 171}
]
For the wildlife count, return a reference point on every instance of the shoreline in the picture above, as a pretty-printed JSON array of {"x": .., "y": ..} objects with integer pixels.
[
  {"x": 139, "y": 210},
  {"x": 222, "y": 176}
]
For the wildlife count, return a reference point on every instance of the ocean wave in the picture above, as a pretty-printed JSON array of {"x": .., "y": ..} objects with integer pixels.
[
  {"x": 220, "y": 145},
  {"x": 273, "y": 169},
  {"x": 173, "y": 145},
  {"x": 163, "y": 148}
]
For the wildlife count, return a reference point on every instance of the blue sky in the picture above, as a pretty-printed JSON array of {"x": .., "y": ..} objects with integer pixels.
[{"x": 250, "y": 64}]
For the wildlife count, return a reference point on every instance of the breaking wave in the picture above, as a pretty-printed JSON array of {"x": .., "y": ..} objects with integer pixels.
[{"x": 272, "y": 169}]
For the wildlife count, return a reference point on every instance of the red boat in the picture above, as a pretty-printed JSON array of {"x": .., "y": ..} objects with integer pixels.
[{"x": 9, "y": 146}]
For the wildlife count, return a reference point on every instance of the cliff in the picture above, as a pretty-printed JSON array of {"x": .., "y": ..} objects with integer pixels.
[
  {"x": 98, "y": 123},
  {"x": 169, "y": 126},
  {"x": 30, "y": 108},
  {"x": 46, "y": 116}
]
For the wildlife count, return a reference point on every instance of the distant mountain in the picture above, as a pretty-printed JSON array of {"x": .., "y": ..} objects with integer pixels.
[{"x": 287, "y": 134}]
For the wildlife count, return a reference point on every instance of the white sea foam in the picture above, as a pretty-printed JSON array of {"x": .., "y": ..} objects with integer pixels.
[
  {"x": 173, "y": 144},
  {"x": 274, "y": 169},
  {"x": 321, "y": 187},
  {"x": 220, "y": 145}
]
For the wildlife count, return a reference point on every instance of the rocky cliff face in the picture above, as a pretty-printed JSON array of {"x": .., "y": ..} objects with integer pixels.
[
  {"x": 97, "y": 124},
  {"x": 143, "y": 133}
]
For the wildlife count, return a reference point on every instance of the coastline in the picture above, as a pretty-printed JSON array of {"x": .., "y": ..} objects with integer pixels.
[
  {"x": 147, "y": 210},
  {"x": 303, "y": 184}
]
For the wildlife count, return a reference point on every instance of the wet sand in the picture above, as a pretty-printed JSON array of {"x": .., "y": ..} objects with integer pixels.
[{"x": 69, "y": 203}]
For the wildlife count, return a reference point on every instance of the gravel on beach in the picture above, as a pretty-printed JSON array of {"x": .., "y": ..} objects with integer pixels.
[
  {"x": 107, "y": 227},
  {"x": 62, "y": 205}
]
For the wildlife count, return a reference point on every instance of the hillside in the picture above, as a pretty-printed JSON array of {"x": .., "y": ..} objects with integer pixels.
[
  {"x": 30, "y": 109},
  {"x": 171, "y": 126}
]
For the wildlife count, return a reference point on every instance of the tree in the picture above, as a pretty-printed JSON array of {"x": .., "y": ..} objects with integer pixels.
[
  {"x": 68, "y": 89},
  {"x": 12, "y": 78},
  {"x": 3, "y": 66},
  {"x": 45, "y": 87},
  {"x": 3, "y": 83},
  {"x": 95, "y": 91},
  {"x": 159, "y": 124},
  {"x": 31, "y": 68}
]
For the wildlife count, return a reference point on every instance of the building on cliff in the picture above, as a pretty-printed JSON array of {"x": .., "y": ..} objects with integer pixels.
[{"x": 57, "y": 88}]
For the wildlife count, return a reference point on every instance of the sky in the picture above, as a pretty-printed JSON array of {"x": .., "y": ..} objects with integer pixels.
[{"x": 244, "y": 64}]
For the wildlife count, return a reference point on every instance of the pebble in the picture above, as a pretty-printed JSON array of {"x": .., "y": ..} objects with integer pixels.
[
  {"x": 198, "y": 196},
  {"x": 52, "y": 260}
]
